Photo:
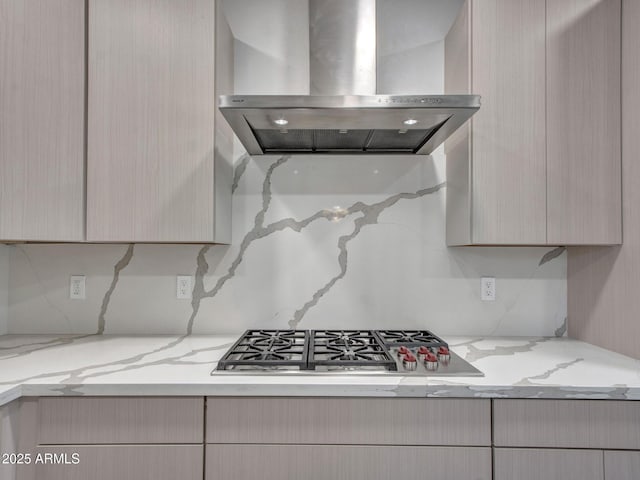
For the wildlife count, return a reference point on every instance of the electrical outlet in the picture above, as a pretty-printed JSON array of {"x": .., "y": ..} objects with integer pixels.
[
  {"x": 183, "y": 285},
  {"x": 77, "y": 287},
  {"x": 488, "y": 289}
]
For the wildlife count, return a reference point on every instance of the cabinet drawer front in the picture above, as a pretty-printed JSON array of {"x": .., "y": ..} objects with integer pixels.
[
  {"x": 567, "y": 423},
  {"x": 622, "y": 465},
  {"x": 91, "y": 420},
  {"x": 530, "y": 464},
  {"x": 108, "y": 462},
  {"x": 8, "y": 437},
  {"x": 356, "y": 421},
  {"x": 322, "y": 462}
]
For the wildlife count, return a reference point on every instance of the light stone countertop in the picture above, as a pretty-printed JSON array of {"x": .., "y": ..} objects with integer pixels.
[{"x": 514, "y": 367}]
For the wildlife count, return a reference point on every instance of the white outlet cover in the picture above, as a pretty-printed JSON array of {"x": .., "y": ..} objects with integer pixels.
[
  {"x": 488, "y": 289},
  {"x": 77, "y": 287},
  {"x": 184, "y": 286}
]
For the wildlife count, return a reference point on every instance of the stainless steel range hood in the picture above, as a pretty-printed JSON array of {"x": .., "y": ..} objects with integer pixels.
[{"x": 343, "y": 114}]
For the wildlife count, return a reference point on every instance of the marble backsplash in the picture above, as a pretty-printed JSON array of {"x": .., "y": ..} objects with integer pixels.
[{"x": 319, "y": 242}]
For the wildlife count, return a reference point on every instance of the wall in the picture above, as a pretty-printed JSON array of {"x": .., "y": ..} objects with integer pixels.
[
  {"x": 603, "y": 282},
  {"x": 361, "y": 249},
  {"x": 4, "y": 288},
  {"x": 318, "y": 242}
]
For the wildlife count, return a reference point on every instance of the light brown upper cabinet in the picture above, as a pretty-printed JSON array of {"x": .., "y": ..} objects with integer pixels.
[
  {"x": 158, "y": 154},
  {"x": 42, "y": 81},
  {"x": 540, "y": 163}
]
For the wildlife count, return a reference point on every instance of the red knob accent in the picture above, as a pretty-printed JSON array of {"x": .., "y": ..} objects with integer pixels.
[
  {"x": 443, "y": 351},
  {"x": 403, "y": 351},
  {"x": 423, "y": 351},
  {"x": 431, "y": 358},
  {"x": 409, "y": 357}
]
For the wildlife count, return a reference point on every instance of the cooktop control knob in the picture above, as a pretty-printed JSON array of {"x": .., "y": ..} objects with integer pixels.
[
  {"x": 430, "y": 361},
  {"x": 444, "y": 355},
  {"x": 423, "y": 352},
  {"x": 409, "y": 362},
  {"x": 403, "y": 351}
]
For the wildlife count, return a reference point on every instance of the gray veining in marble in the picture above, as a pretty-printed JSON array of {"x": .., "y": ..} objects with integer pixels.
[
  {"x": 258, "y": 231},
  {"x": 29, "y": 348},
  {"x": 181, "y": 365},
  {"x": 199, "y": 291},
  {"x": 555, "y": 253},
  {"x": 122, "y": 263},
  {"x": 562, "y": 329},
  {"x": 476, "y": 353},
  {"x": 548, "y": 373},
  {"x": 241, "y": 166},
  {"x": 370, "y": 215},
  {"x": 291, "y": 197}
]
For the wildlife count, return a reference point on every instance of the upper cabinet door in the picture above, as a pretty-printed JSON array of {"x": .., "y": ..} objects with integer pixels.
[
  {"x": 42, "y": 69},
  {"x": 583, "y": 122},
  {"x": 496, "y": 173},
  {"x": 151, "y": 121},
  {"x": 508, "y": 139},
  {"x": 540, "y": 163}
]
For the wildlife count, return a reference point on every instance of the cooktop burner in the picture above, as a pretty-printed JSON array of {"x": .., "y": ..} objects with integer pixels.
[
  {"x": 269, "y": 349},
  {"x": 348, "y": 348},
  {"x": 317, "y": 352},
  {"x": 410, "y": 338}
]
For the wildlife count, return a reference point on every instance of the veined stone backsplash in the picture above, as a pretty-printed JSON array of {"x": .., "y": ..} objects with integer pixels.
[{"x": 319, "y": 242}]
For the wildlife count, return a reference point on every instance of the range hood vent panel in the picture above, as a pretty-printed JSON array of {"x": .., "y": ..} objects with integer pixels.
[
  {"x": 343, "y": 141},
  {"x": 346, "y": 124}
]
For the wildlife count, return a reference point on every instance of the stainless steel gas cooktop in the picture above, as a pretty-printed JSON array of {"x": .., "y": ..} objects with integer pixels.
[{"x": 356, "y": 352}]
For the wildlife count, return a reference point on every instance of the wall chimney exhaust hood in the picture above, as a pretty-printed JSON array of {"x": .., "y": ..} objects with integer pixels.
[{"x": 343, "y": 114}]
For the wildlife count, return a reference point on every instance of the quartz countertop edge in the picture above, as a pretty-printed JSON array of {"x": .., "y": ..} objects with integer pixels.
[{"x": 175, "y": 365}]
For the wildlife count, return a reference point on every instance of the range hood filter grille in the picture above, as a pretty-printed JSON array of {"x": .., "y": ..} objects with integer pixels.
[{"x": 326, "y": 141}]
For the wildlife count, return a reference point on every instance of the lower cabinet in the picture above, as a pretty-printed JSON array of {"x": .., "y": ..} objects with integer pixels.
[
  {"x": 566, "y": 439},
  {"x": 274, "y": 438},
  {"x": 621, "y": 465},
  {"x": 536, "y": 464},
  {"x": 316, "y": 438},
  {"x": 349, "y": 421},
  {"x": 119, "y": 462},
  {"x": 111, "y": 438},
  {"x": 347, "y": 462},
  {"x": 597, "y": 424}
]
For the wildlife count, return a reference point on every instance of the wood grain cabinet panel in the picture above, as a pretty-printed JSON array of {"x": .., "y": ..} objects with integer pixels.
[
  {"x": 540, "y": 162},
  {"x": 603, "y": 283},
  {"x": 583, "y": 122},
  {"x": 116, "y": 420},
  {"x": 497, "y": 173},
  {"x": 508, "y": 132},
  {"x": 533, "y": 464},
  {"x": 567, "y": 424},
  {"x": 152, "y": 122},
  {"x": 355, "y": 421},
  {"x": 322, "y": 462},
  {"x": 9, "y": 431},
  {"x": 109, "y": 462},
  {"x": 42, "y": 70},
  {"x": 621, "y": 465}
]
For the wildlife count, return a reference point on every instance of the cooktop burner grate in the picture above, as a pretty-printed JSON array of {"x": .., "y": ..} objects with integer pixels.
[
  {"x": 409, "y": 338},
  {"x": 268, "y": 349},
  {"x": 344, "y": 349}
]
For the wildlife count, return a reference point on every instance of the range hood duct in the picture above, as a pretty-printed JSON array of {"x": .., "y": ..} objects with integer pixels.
[
  {"x": 344, "y": 114},
  {"x": 342, "y": 47}
]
